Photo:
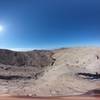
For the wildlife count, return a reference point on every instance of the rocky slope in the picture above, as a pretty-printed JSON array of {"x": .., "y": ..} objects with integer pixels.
[
  {"x": 20, "y": 63},
  {"x": 49, "y": 73},
  {"x": 34, "y": 58}
]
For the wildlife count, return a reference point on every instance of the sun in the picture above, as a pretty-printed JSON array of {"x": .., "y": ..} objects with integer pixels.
[{"x": 1, "y": 28}]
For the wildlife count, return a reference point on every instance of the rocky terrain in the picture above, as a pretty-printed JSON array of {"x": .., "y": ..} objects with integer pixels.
[{"x": 59, "y": 72}]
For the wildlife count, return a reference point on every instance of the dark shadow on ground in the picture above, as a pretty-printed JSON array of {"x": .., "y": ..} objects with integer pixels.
[
  {"x": 14, "y": 77},
  {"x": 95, "y": 92},
  {"x": 89, "y": 75}
]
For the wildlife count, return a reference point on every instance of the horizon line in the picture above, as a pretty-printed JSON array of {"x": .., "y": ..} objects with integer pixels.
[{"x": 31, "y": 49}]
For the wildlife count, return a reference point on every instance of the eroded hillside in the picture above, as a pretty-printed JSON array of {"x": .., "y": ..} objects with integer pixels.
[
  {"x": 39, "y": 58},
  {"x": 50, "y": 73}
]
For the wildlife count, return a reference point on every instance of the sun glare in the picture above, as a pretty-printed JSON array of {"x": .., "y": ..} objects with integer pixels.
[{"x": 1, "y": 28}]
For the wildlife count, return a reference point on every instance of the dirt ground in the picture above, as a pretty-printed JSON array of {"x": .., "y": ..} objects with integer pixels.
[
  {"x": 59, "y": 78},
  {"x": 50, "y": 98}
]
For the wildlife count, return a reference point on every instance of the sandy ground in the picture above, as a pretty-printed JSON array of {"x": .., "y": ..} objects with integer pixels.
[{"x": 50, "y": 98}]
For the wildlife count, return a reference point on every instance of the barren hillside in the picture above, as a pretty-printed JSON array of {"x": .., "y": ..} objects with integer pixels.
[{"x": 60, "y": 72}]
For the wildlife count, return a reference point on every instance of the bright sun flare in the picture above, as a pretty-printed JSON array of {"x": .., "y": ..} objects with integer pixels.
[{"x": 1, "y": 28}]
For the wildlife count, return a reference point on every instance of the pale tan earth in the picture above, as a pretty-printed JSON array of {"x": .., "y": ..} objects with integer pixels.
[
  {"x": 50, "y": 98},
  {"x": 50, "y": 74}
]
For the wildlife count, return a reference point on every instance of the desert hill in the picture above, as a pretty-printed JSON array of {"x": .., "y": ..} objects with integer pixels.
[
  {"x": 59, "y": 72},
  {"x": 37, "y": 58}
]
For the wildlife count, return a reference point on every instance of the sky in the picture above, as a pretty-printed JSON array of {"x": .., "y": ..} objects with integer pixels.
[{"x": 29, "y": 24}]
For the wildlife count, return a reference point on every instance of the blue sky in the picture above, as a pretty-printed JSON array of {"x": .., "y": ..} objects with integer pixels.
[{"x": 49, "y": 23}]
